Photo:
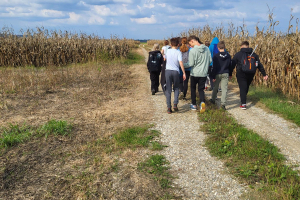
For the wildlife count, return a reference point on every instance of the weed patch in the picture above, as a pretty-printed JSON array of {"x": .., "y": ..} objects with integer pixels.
[
  {"x": 56, "y": 127},
  {"x": 278, "y": 102},
  {"x": 249, "y": 156}
]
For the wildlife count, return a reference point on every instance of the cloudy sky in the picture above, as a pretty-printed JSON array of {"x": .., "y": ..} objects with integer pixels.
[{"x": 142, "y": 19}]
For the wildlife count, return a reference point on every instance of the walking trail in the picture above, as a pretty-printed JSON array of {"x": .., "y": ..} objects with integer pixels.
[{"x": 200, "y": 175}]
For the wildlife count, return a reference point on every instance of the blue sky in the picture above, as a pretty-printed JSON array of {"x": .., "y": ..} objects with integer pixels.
[{"x": 142, "y": 19}]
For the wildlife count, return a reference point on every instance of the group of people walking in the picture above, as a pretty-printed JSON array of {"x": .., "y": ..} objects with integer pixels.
[{"x": 189, "y": 59}]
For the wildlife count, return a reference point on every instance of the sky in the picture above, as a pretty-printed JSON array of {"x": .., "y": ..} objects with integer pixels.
[{"x": 143, "y": 19}]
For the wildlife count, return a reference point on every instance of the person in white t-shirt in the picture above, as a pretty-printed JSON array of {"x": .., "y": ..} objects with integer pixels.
[{"x": 174, "y": 62}]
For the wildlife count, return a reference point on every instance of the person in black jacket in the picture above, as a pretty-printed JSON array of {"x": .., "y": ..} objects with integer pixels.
[
  {"x": 244, "y": 79},
  {"x": 220, "y": 73},
  {"x": 154, "y": 65}
]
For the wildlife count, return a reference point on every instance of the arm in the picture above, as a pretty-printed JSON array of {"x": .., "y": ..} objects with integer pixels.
[
  {"x": 191, "y": 59},
  {"x": 261, "y": 68},
  {"x": 214, "y": 66},
  {"x": 182, "y": 68}
]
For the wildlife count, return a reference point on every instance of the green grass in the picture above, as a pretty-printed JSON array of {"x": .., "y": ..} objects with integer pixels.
[
  {"x": 135, "y": 137},
  {"x": 56, "y": 127},
  {"x": 249, "y": 156},
  {"x": 134, "y": 58},
  {"x": 14, "y": 135},
  {"x": 277, "y": 102},
  {"x": 158, "y": 166}
]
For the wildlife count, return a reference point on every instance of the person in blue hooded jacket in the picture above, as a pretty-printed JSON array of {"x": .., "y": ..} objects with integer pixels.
[{"x": 213, "y": 48}]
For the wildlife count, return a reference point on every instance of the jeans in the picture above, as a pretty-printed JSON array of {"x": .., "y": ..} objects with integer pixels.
[
  {"x": 223, "y": 79},
  {"x": 201, "y": 86}
]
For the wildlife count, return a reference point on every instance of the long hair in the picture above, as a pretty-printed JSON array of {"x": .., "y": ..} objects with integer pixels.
[{"x": 184, "y": 47}]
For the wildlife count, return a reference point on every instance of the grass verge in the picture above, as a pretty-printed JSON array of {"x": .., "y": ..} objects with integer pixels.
[
  {"x": 277, "y": 102},
  {"x": 250, "y": 157}
]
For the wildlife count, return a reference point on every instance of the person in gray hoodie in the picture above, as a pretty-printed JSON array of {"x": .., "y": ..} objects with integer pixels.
[{"x": 199, "y": 60}]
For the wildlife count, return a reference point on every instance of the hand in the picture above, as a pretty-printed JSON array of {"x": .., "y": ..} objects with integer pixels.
[
  {"x": 214, "y": 80},
  {"x": 184, "y": 77},
  {"x": 266, "y": 77}
]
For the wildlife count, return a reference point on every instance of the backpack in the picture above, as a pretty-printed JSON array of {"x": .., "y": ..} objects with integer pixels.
[
  {"x": 154, "y": 61},
  {"x": 185, "y": 57},
  {"x": 249, "y": 63}
]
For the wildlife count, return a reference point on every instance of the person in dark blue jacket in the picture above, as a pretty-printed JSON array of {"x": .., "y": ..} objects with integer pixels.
[{"x": 213, "y": 48}]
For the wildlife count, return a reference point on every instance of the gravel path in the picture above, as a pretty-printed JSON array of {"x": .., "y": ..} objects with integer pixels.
[
  {"x": 279, "y": 131},
  {"x": 200, "y": 175}
]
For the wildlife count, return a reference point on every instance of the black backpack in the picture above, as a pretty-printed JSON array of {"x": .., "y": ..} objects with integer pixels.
[
  {"x": 249, "y": 64},
  {"x": 154, "y": 61}
]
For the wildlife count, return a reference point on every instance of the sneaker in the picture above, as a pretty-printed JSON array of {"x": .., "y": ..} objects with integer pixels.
[
  {"x": 223, "y": 107},
  {"x": 212, "y": 101},
  {"x": 156, "y": 90},
  {"x": 202, "y": 107},
  {"x": 210, "y": 89},
  {"x": 243, "y": 107},
  {"x": 193, "y": 107},
  {"x": 175, "y": 107},
  {"x": 169, "y": 111},
  {"x": 153, "y": 92}
]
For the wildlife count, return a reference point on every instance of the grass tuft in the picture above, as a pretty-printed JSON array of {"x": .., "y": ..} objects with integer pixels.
[
  {"x": 56, "y": 127},
  {"x": 249, "y": 156},
  {"x": 158, "y": 166},
  {"x": 278, "y": 102},
  {"x": 135, "y": 137},
  {"x": 14, "y": 135}
]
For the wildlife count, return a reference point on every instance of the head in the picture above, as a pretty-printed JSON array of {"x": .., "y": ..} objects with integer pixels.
[
  {"x": 194, "y": 40},
  {"x": 155, "y": 47},
  {"x": 166, "y": 42},
  {"x": 221, "y": 46},
  {"x": 207, "y": 43},
  {"x": 184, "y": 47},
  {"x": 174, "y": 42},
  {"x": 245, "y": 44}
]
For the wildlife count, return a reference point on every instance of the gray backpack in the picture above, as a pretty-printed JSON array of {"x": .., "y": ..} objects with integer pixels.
[{"x": 185, "y": 57}]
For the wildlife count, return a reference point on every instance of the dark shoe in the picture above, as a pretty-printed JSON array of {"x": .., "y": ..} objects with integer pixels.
[
  {"x": 175, "y": 107},
  {"x": 156, "y": 90},
  {"x": 210, "y": 89},
  {"x": 212, "y": 101},
  {"x": 184, "y": 98},
  {"x": 223, "y": 107},
  {"x": 169, "y": 111},
  {"x": 153, "y": 92}
]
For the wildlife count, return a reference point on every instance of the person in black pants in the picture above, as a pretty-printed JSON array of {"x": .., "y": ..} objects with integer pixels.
[
  {"x": 245, "y": 79},
  {"x": 154, "y": 64}
]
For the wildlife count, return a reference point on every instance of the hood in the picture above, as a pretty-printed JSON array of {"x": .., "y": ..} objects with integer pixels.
[
  {"x": 154, "y": 52},
  {"x": 223, "y": 55},
  {"x": 215, "y": 41},
  {"x": 247, "y": 50},
  {"x": 200, "y": 48}
]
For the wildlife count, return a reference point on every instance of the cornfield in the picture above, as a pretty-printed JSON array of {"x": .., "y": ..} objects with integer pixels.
[
  {"x": 56, "y": 48},
  {"x": 278, "y": 52}
]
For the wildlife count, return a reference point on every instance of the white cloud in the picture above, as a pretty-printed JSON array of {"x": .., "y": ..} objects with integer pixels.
[
  {"x": 296, "y": 9},
  {"x": 145, "y": 20},
  {"x": 96, "y": 20}
]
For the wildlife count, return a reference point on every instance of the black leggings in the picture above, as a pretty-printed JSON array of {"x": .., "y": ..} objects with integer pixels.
[
  {"x": 244, "y": 80},
  {"x": 154, "y": 77},
  {"x": 186, "y": 83}
]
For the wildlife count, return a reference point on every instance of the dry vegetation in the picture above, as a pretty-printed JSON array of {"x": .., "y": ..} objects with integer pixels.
[
  {"x": 99, "y": 99},
  {"x": 55, "y": 48},
  {"x": 279, "y": 53},
  {"x": 152, "y": 42}
]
